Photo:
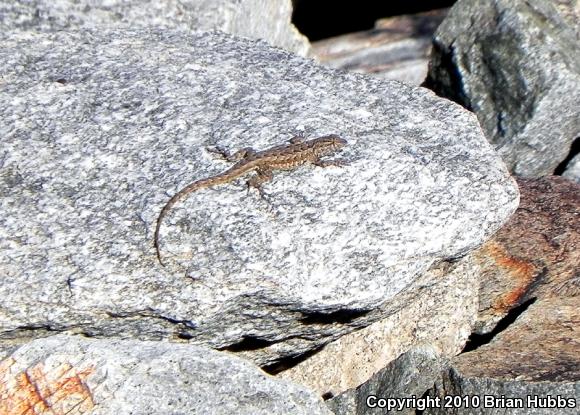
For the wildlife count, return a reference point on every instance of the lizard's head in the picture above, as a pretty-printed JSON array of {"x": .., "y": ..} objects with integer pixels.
[{"x": 328, "y": 143}]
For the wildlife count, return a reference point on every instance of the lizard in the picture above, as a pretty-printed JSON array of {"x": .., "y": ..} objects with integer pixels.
[{"x": 281, "y": 157}]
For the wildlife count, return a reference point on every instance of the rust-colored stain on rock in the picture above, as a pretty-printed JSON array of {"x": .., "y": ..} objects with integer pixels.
[
  {"x": 44, "y": 390},
  {"x": 523, "y": 274}
]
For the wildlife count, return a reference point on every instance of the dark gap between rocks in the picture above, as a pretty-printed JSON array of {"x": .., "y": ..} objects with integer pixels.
[
  {"x": 455, "y": 92},
  {"x": 248, "y": 343},
  {"x": 289, "y": 362},
  {"x": 477, "y": 340},
  {"x": 327, "y": 395},
  {"x": 33, "y": 331},
  {"x": 320, "y": 19},
  {"x": 339, "y": 316},
  {"x": 574, "y": 150}
]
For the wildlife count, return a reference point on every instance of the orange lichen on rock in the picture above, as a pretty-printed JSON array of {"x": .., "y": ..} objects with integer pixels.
[
  {"x": 44, "y": 390},
  {"x": 523, "y": 273}
]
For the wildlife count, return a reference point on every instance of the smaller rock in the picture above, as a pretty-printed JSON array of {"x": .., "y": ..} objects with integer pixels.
[
  {"x": 535, "y": 254},
  {"x": 405, "y": 379},
  {"x": 533, "y": 366},
  {"x": 530, "y": 276},
  {"x": 516, "y": 65},
  {"x": 396, "y": 48},
  {"x": 74, "y": 375}
]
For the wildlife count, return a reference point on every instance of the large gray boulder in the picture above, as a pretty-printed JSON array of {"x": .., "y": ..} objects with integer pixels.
[
  {"x": 100, "y": 128},
  {"x": 516, "y": 65}
]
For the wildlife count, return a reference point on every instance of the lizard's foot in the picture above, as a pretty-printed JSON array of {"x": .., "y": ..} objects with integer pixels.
[
  {"x": 262, "y": 195},
  {"x": 262, "y": 176},
  {"x": 255, "y": 184},
  {"x": 259, "y": 189}
]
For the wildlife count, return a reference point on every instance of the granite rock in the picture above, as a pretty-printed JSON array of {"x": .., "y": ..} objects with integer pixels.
[
  {"x": 99, "y": 129},
  {"x": 74, "y": 375},
  {"x": 256, "y": 19},
  {"x": 438, "y": 310}
]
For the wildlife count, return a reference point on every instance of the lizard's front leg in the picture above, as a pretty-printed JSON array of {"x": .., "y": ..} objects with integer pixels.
[{"x": 237, "y": 156}]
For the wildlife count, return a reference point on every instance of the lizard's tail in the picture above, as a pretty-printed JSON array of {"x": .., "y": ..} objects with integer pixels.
[
  {"x": 234, "y": 172},
  {"x": 176, "y": 198}
]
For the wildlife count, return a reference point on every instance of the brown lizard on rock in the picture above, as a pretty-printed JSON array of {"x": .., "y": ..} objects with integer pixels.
[{"x": 283, "y": 157}]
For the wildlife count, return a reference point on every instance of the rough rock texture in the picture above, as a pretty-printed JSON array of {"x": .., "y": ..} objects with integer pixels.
[
  {"x": 572, "y": 171},
  {"x": 257, "y": 19},
  {"x": 570, "y": 11},
  {"x": 534, "y": 257},
  {"x": 410, "y": 375},
  {"x": 74, "y": 375},
  {"x": 396, "y": 48},
  {"x": 536, "y": 254},
  {"x": 533, "y": 262},
  {"x": 439, "y": 310},
  {"x": 516, "y": 64},
  {"x": 100, "y": 128},
  {"x": 536, "y": 360},
  {"x": 541, "y": 345}
]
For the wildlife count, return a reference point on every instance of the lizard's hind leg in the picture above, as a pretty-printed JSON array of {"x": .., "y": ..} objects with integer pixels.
[{"x": 262, "y": 176}]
